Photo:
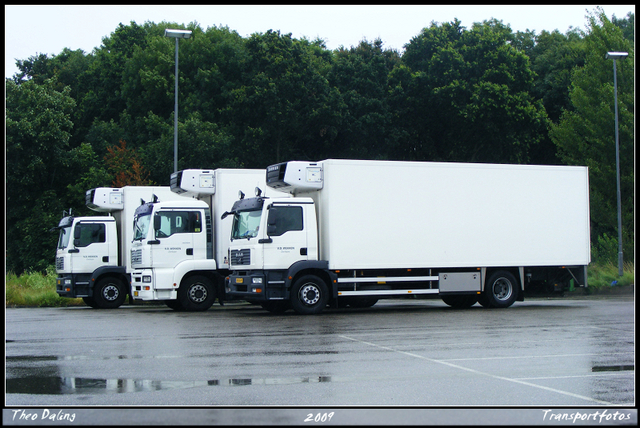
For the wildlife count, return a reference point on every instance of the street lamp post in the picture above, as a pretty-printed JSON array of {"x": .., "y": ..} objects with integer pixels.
[
  {"x": 177, "y": 34},
  {"x": 614, "y": 56}
]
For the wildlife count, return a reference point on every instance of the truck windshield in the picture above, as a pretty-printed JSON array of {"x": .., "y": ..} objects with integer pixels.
[
  {"x": 65, "y": 234},
  {"x": 245, "y": 224},
  {"x": 141, "y": 226}
]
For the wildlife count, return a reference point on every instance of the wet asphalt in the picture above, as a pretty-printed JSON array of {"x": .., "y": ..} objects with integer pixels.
[{"x": 404, "y": 356}]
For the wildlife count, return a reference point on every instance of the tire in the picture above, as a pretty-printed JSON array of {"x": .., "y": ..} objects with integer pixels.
[
  {"x": 276, "y": 307},
  {"x": 196, "y": 293},
  {"x": 109, "y": 293},
  {"x": 460, "y": 301},
  {"x": 173, "y": 304},
  {"x": 89, "y": 301},
  {"x": 309, "y": 295},
  {"x": 500, "y": 291}
]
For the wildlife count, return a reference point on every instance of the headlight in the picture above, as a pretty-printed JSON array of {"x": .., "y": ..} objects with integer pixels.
[
  {"x": 67, "y": 282},
  {"x": 256, "y": 280},
  {"x": 146, "y": 278}
]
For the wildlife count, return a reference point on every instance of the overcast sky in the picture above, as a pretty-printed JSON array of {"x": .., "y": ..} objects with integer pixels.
[{"x": 49, "y": 29}]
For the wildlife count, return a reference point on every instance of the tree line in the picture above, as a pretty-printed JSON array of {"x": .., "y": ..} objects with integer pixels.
[{"x": 75, "y": 121}]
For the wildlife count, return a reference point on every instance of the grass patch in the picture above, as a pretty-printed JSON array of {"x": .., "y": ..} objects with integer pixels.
[
  {"x": 602, "y": 275},
  {"x": 35, "y": 289}
]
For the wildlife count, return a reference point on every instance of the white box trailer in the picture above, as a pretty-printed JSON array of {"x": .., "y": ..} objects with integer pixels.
[
  {"x": 377, "y": 214},
  {"x": 370, "y": 229}
]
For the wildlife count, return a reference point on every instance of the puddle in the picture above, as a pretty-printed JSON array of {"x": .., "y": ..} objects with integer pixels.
[
  {"x": 614, "y": 368},
  {"x": 25, "y": 377},
  {"x": 76, "y": 385}
]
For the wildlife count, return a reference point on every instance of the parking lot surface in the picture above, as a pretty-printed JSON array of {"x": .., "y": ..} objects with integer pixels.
[{"x": 404, "y": 355}]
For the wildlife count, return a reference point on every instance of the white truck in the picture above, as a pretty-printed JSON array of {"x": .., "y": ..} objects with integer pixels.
[
  {"x": 357, "y": 231},
  {"x": 92, "y": 256},
  {"x": 179, "y": 252}
]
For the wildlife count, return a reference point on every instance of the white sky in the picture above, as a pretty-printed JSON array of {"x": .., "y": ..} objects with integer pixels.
[{"x": 48, "y": 29}]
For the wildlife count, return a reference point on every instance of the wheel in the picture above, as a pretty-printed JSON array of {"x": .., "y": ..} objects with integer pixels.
[
  {"x": 460, "y": 301},
  {"x": 276, "y": 307},
  {"x": 173, "y": 304},
  {"x": 500, "y": 291},
  {"x": 196, "y": 293},
  {"x": 89, "y": 301},
  {"x": 309, "y": 295},
  {"x": 109, "y": 293}
]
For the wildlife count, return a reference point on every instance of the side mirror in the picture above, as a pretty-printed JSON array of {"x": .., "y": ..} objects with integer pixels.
[
  {"x": 272, "y": 220},
  {"x": 157, "y": 222}
]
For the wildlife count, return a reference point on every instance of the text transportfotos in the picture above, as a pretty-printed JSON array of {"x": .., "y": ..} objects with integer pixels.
[{"x": 598, "y": 416}]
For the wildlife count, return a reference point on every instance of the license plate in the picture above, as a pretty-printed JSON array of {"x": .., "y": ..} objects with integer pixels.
[
  {"x": 239, "y": 280},
  {"x": 135, "y": 294}
]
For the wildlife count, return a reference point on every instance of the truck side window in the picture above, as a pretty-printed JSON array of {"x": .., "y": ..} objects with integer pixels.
[
  {"x": 90, "y": 233},
  {"x": 172, "y": 222},
  {"x": 287, "y": 219}
]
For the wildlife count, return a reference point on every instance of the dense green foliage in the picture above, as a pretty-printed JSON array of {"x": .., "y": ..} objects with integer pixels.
[{"x": 482, "y": 94}]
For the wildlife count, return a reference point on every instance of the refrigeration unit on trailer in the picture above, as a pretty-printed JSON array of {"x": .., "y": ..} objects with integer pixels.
[
  {"x": 92, "y": 257},
  {"x": 180, "y": 248},
  {"x": 356, "y": 231}
]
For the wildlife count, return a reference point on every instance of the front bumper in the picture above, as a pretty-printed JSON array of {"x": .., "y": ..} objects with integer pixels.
[
  {"x": 144, "y": 287},
  {"x": 70, "y": 285},
  {"x": 256, "y": 286}
]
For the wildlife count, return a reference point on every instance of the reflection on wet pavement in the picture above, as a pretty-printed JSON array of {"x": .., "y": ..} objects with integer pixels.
[{"x": 47, "y": 380}]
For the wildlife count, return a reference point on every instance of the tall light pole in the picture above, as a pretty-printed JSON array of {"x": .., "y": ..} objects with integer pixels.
[
  {"x": 177, "y": 34},
  {"x": 614, "y": 56}
]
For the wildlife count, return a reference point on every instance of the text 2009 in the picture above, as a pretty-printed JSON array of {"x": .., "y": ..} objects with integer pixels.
[{"x": 320, "y": 417}]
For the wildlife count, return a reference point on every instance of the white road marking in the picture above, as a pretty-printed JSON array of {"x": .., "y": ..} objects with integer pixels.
[{"x": 521, "y": 382}]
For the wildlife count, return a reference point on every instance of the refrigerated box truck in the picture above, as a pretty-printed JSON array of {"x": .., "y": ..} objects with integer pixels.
[
  {"x": 93, "y": 253},
  {"x": 356, "y": 231}
]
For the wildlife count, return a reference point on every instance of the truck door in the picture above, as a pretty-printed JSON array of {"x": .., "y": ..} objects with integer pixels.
[
  {"x": 174, "y": 236},
  {"x": 91, "y": 247},
  {"x": 287, "y": 239}
]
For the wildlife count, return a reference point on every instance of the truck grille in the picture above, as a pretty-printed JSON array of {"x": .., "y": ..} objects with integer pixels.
[
  {"x": 136, "y": 256},
  {"x": 241, "y": 257},
  {"x": 59, "y": 263}
]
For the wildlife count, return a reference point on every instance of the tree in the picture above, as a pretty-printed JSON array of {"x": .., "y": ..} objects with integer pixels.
[
  {"x": 361, "y": 76},
  {"x": 38, "y": 126},
  {"x": 104, "y": 98},
  {"x": 469, "y": 96},
  {"x": 585, "y": 134},
  {"x": 126, "y": 167},
  {"x": 285, "y": 107},
  {"x": 553, "y": 58}
]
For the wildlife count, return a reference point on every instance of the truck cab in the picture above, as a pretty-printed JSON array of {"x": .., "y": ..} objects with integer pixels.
[
  {"x": 87, "y": 246},
  {"x": 272, "y": 240},
  {"x": 170, "y": 239}
]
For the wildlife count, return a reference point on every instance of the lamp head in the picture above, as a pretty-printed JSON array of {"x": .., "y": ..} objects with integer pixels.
[
  {"x": 178, "y": 34},
  {"x": 616, "y": 55}
]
